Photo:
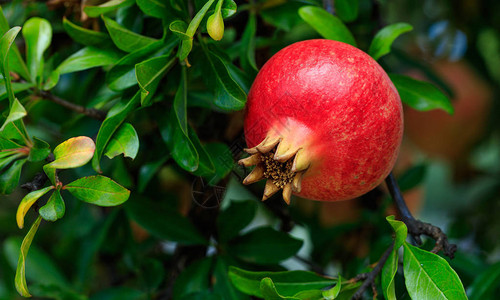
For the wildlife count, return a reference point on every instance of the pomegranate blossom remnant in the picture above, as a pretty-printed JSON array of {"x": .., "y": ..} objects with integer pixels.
[{"x": 323, "y": 121}]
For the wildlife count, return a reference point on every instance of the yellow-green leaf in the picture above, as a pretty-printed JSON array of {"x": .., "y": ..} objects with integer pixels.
[
  {"x": 27, "y": 202},
  {"x": 20, "y": 279}
]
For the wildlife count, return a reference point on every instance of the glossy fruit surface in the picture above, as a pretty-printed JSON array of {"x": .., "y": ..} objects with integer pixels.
[{"x": 323, "y": 121}]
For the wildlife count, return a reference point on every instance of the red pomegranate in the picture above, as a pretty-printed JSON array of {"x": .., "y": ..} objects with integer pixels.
[{"x": 323, "y": 120}]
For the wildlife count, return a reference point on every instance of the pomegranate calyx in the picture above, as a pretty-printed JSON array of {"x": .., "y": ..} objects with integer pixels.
[{"x": 278, "y": 161}]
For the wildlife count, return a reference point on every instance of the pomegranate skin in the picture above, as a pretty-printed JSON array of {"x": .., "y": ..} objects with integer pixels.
[{"x": 340, "y": 105}]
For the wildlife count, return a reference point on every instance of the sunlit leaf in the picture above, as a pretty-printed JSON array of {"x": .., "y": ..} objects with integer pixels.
[
  {"x": 72, "y": 153},
  {"x": 37, "y": 33},
  {"x": 20, "y": 280},
  {"x": 421, "y": 95},
  {"x": 381, "y": 44},
  {"x": 428, "y": 276},
  {"x": 27, "y": 202},
  {"x": 112, "y": 5},
  {"x": 391, "y": 266},
  {"x": 16, "y": 112},
  {"x": 5, "y": 44},
  {"x": 327, "y": 25},
  {"x": 98, "y": 190},
  {"x": 16, "y": 61}
]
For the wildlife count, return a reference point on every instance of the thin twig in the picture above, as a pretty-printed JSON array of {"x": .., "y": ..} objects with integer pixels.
[
  {"x": 416, "y": 227},
  {"x": 329, "y": 6},
  {"x": 90, "y": 112},
  {"x": 369, "y": 278}
]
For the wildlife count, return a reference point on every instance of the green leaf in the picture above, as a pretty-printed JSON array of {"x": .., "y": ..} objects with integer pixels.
[
  {"x": 112, "y": 5},
  {"x": 175, "y": 131},
  {"x": 149, "y": 73},
  {"x": 72, "y": 153},
  {"x": 113, "y": 121},
  {"x": 16, "y": 61},
  {"x": 20, "y": 280},
  {"x": 381, "y": 44},
  {"x": 195, "y": 278},
  {"x": 125, "y": 39},
  {"x": 86, "y": 58},
  {"x": 347, "y": 10},
  {"x": 228, "y": 8},
  {"x": 37, "y": 33},
  {"x": 16, "y": 112},
  {"x": 39, "y": 151},
  {"x": 222, "y": 284},
  {"x": 391, "y": 266},
  {"x": 86, "y": 36},
  {"x": 215, "y": 23},
  {"x": 247, "y": 52},
  {"x": 485, "y": 283},
  {"x": 157, "y": 218},
  {"x": 269, "y": 292},
  {"x": 122, "y": 74},
  {"x": 185, "y": 49},
  {"x": 264, "y": 245},
  {"x": 27, "y": 202},
  {"x": 54, "y": 209},
  {"x": 326, "y": 24},
  {"x": 428, "y": 276},
  {"x": 125, "y": 141},
  {"x": 179, "y": 28},
  {"x": 16, "y": 131},
  {"x": 334, "y": 292},
  {"x": 9, "y": 179},
  {"x": 287, "y": 283},
  {"x": 421, "y": 95},
  {"x": 5, "y": 44},
  {"x": 154, "y": 8},
  {"x": 98, "y": 190},
  {"x": 229, "y": 94},
  {"x": 234, "y": 218}
]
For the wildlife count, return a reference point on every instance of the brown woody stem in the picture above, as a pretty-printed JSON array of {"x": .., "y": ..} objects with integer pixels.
[{"x": 90, "y": 112}]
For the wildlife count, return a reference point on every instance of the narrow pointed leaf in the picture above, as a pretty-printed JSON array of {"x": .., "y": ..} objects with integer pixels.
[
  {"x": 112, "y": 5},
  {"x": 421, "y": 95},
  {"x": 16, "y": 112},
  {"x": 125, "y": 141},
  {"x": 381, "y": 44},
  {"x": 98, "y": 190},
  {"x": 20, "y": 280},
  {"x": 86, "y": 36},
  {"x": 125, "y": 39},
  {"x": 5, "y": 44},
  {"x": 54, "y": 209},
  {"x": 16, "y": 61},
  {"x": 327, "y": 25},
  {"x": 428, "y": 276},
  {"x": 27, "y": 202},
  {"x": 88, "y": 57},
  {"x": 37, "y": 33}
]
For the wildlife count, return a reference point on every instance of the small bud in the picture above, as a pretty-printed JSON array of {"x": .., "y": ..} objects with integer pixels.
[{"x": 215, "y": 26}]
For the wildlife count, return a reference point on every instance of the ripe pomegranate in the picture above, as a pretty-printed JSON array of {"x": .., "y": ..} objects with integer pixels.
[{"x": 323, "y": 121}]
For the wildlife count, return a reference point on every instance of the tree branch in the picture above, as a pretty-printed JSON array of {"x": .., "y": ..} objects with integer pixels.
[
  {"x": 416, "y": 228},
  {"x": 369, "y": 278},
  {"x": 90, "y": 112}
]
